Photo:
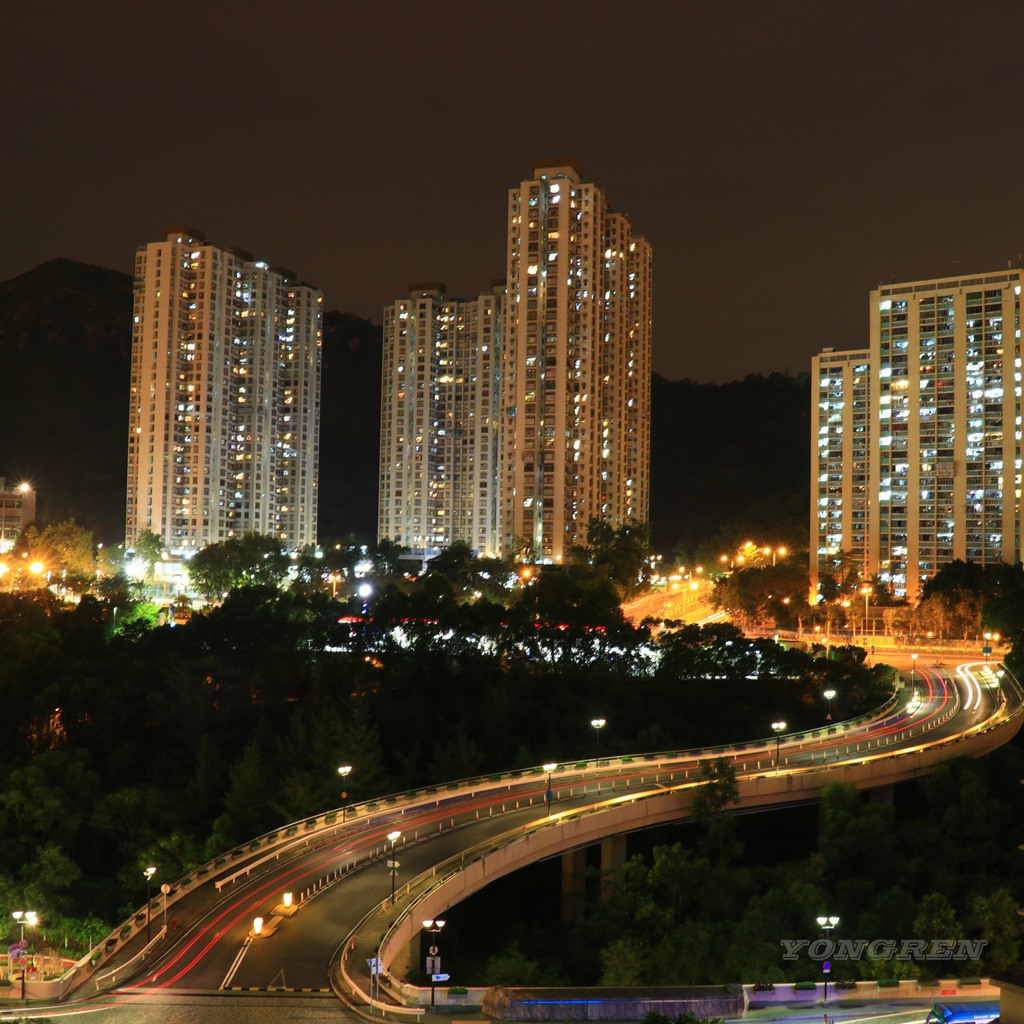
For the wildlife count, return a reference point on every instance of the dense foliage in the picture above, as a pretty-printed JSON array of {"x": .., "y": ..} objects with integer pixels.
[{"x": 169, "y": 745}]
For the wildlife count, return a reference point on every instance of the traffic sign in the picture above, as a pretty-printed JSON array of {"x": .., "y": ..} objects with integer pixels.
[
  {"x": 374, "y": 964},
  {"x": 433, "y": 965},
  {"x": 440, "y": 977},
  {"x": 826, "y": 967},
  {"x": 432, "y": 951}
]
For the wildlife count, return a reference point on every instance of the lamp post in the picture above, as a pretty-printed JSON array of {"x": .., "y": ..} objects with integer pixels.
[
  {"x": 549, "y": 768},
  {"x": 393, "y": 864},
  {"x": 780, "y": 728},
  {"x": 913, "y": 675},
  {"x": 24, "y": 917},
  {"x": 866, "y": 591},
  {"x": 826, "y": 924},
  {"x": 149, "y": 873},
  {"x": 828, "y": 695},
  {"x": 598, "y": 724},
  {"x": 344, "y": 771},
  {"x": 433, "y": 957}
]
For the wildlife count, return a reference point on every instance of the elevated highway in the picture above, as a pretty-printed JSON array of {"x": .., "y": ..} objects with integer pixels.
[{"x": 456, "y": 838}]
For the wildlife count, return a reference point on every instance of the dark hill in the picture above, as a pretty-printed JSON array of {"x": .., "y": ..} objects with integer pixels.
[{"x": 729, "y": 457}]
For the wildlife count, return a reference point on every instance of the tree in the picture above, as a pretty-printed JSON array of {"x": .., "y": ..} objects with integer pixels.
[
  {"x": 149, "y": 549},
  {"x": 718, "y": 790},
  {"x": 252, "y": 560},
  {"x": 65, "y": 551},
  {"x": 621, "y": 553}
]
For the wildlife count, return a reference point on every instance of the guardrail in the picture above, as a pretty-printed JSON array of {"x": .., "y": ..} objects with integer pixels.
[{"x": 666, "y": 764}]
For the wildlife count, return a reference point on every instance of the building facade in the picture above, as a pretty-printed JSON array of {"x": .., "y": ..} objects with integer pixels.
[
  {"x": 225, "y": 397},
  {"x": 439, "y": 435},
  {"x": 511, "y": 420},
  {"x": 17, "y": 510},
  {"x": 944, "y": 471},
  {"x": 840, "y": 450},
  {"x": 575, "y": 366}
]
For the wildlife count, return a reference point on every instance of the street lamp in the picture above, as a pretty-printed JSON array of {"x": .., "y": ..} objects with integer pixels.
[
  {"x": 343, "y": 771},
  {"x": 549, "y": 768},
  {"x": 828, "y": 695},
  {"x": 913, "y": 674},
  {"x": 365, "y": 590},
  {"x": 780, "y": 728},
  {"x": 598, "y": 724},
  {"x": 433, "y": 957},
  {"x": 826, "y": 924},
  {"x": 24, "y": 917},
  {"x": 867, "y": 592},
  {"x": 393, "y": 864},
  {"x": 149, "y": 873}
]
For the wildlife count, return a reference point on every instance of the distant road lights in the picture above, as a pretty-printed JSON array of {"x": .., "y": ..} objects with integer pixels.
[
  {"x": 779, "y": 728},
  {"x": 393, "y": 838},
  {"x": 828, "y": 695},
  {"x": 334, "y": 578},
  {"x": 549, "y": 768},
  {"x": 149, "y": 873},
  {"x": 597, "y": 724}
]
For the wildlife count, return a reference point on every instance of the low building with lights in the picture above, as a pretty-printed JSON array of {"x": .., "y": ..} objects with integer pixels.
[{"x": 17, "y": 510}]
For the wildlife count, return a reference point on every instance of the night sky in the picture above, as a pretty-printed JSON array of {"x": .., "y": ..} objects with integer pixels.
[{"x": 781, "y": 157}]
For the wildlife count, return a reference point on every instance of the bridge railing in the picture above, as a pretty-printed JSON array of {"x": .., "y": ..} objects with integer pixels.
[{"x": 298, "y": 834}]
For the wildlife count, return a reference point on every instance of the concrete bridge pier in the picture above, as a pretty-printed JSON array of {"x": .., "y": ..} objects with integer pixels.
[
  {"x": 613, "y": 856},
  {"x": 574, "y": 881}
]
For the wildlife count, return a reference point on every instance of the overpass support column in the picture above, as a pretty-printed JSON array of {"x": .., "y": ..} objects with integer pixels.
[
  {"x": 574, "y": 864},
  {"x": 882, "y": 795},
  {"x": 613, "y": 856}
]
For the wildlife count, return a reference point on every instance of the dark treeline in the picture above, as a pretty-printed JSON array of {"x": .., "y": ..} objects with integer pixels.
[{"x": 171, "y": 745}]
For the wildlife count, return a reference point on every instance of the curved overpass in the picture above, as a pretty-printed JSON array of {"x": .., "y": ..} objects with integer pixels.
[{"x": 455, "y": 840}]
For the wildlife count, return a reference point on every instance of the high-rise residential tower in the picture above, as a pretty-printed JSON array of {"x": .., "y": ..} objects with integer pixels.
[
  {"x": 439, "y": 436},
  {"x": 225, "y": 397},
  {"x": 944, "y": 473},
  {"x": 840, "y": 450},
  {"x": 575, "y": 366}
]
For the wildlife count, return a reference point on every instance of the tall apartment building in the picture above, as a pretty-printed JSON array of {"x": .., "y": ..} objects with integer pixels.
[
  {"x": 512, "y": 419},
  {"x": 945, "y": 464},
  {"x": 840, "y": 451},
  {"x": 575, "y": 365},
  {"x": 225, "y": 397},
  {"x": 439, "y": 436}
]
